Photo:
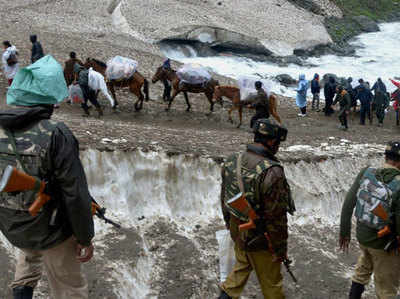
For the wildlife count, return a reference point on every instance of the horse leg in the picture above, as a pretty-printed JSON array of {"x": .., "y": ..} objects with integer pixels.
[
  {"x": 146, "y": 89},
  {"x": 240, "y": 111},
  {"x": 230, "y": 114},
  {"x": 137, "y": 92},
  {"x": 174, "y": 94},
  {"x": 187, "y": 101},
  {"x": 209, "y": 98},
  {"x": 111, "y": 88}
]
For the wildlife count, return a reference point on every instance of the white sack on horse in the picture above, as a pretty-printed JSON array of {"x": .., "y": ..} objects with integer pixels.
[
  {"x": 97, "y": 82},
  {"x": 247, "y": 88},
  {"x": 120, "y": 67},
  {"x": 193, "y": 74}
]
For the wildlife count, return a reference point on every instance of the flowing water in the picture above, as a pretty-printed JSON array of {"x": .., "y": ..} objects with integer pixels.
[{"x": 376, "y": 56}]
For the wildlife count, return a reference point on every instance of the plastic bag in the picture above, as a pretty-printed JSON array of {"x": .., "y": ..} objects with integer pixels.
[
  {"x": 193, "y": 74},
  {"x": 226, "y": 253},
  {"x": 247, "y": 88},
  {"x": 96, "y": 82},
  {"x": 75, "y": 94},
  {"x": 120, "y": 67},
  {"x": 39, "y": 83}
]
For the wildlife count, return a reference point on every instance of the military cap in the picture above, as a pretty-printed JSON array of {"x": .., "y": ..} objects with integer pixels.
[{"x": 270, "y": 128}]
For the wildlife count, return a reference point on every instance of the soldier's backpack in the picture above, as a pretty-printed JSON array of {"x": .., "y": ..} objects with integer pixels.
[{"x": 371, "y": 194}]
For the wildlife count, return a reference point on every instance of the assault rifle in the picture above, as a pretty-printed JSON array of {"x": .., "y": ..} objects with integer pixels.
[
  {"x": 13, "y": 180},
  {"x": 240, "y": 204},
  {"x": 379, "y": 211}
]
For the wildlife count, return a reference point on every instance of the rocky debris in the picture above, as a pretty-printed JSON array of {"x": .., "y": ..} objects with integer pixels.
[{"x": 286, "y": 80}]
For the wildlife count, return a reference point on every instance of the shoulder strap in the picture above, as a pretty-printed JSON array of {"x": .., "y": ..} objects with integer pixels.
[{"x": 11, "y": 138}]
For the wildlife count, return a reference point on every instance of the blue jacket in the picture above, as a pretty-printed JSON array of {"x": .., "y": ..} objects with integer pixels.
[
  {"x": 301, "y": 98},
  {"x": 315, "y": 87},
  {"x": 364, "y": 95}
]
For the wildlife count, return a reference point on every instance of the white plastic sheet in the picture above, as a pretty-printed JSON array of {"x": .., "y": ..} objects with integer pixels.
[
  {"x": 75, "y": 94},
  {"x": 193, "y": 74},
  {"x": 247, "y": 88},
  {"x": 96, "y": 82},
  {"x": 226, "y": 253},
  {"x": 120, "y": 67}
]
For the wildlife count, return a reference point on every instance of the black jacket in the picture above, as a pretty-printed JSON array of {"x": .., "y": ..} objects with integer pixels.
[
  {"x": 330, "y": 90},
  {"x": 37, "y": 50},
  {"x": 56, "y": 161}
]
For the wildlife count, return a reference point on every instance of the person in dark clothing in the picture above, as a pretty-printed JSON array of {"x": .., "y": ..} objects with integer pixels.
[
  {"x": 329, "y": 93},
  {"x": 88, "y": 93},
  {"x": 166, "y": 83},
  {"x": 345, "y": 104},
  {"x": 69, "y": 68},
  {"x": 349, "y": 88},
  {"x": 259, "y": 102},
  {"x": 379, "y": 85},
  {"x": 365, "y": 96},
  {"x": 381, "y": 100},
  {"x": 37, "y": 50},
  {"x": 374, "y": 185},
  {"x": 60, "y": 236},
  {"x": 315, "y": 90},
  {"x": 380, "y": 103}
]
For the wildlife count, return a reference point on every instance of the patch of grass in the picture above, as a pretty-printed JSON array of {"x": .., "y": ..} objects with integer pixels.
[{"x": 375, "y": 9}]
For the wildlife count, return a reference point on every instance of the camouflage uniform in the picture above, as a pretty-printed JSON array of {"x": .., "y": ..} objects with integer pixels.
[
  {"x": 48, "y": 151},
  {"x": 269, "y": 194}
]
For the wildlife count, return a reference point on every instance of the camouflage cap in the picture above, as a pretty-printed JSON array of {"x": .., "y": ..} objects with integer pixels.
[
  {"x": 270, "y": 128},
  {"x": 393, "y": 148}
]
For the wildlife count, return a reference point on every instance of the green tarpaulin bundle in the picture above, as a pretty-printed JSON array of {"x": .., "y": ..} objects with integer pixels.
[{"x": 40, "y": 83}]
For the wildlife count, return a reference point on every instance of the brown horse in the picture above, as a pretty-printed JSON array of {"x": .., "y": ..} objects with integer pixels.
[
  {"x": 135, "y": 82},
  {"x": 163, "y": 74},
  {"x": 233, "y": 93}
]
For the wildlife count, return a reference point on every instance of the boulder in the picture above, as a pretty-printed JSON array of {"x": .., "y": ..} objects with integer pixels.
[
  {"x": 286, "y": 80},
  {"x": 366, "y": 24}
]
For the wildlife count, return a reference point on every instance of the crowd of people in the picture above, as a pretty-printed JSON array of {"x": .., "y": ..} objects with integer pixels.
[{"x": 372, "y": 99}]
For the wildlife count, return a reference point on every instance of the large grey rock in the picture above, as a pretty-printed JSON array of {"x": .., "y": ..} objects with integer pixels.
[
  {"x": 218, "y": 38},
  {"x": 366, "y": 24},
  {"x": 241, "y": 25},
  {"x": 286, "y": 80}
]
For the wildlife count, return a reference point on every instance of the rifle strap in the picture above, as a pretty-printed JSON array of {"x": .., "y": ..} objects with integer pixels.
[{"x": 11, "y": 138}]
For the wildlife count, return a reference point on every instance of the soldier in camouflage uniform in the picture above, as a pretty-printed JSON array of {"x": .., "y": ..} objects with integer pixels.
[
  {"x": 267, "y": 191},
  {"x": 59, "y": 237},
  {"x": 374, "y": 259}
]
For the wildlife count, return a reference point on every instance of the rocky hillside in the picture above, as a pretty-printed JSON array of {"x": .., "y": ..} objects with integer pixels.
[{"x": 262, "y": 27}]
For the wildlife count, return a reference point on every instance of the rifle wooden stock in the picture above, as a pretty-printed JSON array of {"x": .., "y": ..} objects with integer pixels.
[
  {"x": 41, "y": 199},
  {"x": 19, "y": 181},
  {"x": 380, "y": 212},
  {"x": 14, "y": 180}
]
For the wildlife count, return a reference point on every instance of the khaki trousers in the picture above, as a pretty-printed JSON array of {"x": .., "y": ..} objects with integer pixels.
[
  {"x": 268, "y": 274},
  {"x": 386, "y": 269},
  {"x": 63, "y": 271}
]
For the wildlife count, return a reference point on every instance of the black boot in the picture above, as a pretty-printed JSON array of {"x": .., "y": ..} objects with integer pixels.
[
  {"x": 224, "y": 296},
  {"x": 356, "y": 290},
  {"x": 23, "y": 292}
]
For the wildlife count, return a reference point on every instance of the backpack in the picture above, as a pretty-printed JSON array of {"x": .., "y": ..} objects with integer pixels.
[
  {"x": 370, "y": 194},
  {"x": 12, "y": 59}
]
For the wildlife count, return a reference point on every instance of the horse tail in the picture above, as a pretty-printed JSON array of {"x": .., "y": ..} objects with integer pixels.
[{"x": 146, "y": 89}]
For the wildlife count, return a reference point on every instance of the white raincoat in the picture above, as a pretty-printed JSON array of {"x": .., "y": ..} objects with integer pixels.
[{"x": 9, "y": 71}]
